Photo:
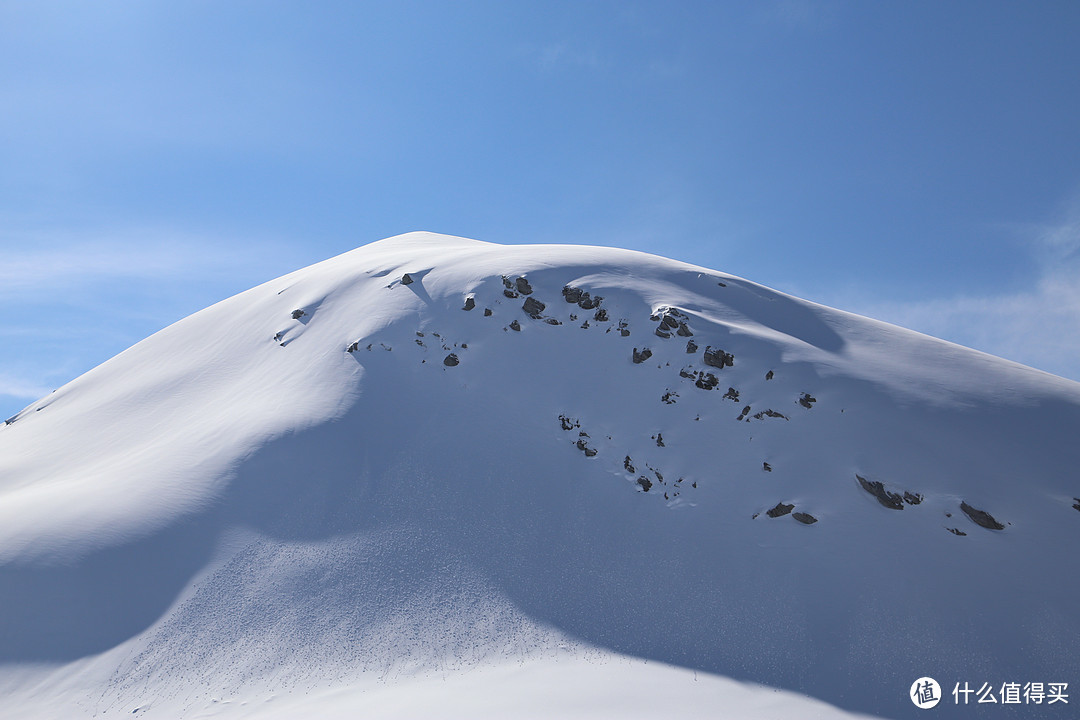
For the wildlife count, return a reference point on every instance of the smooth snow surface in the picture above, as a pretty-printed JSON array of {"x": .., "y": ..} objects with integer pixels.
[{"x": 343, "y": 494}]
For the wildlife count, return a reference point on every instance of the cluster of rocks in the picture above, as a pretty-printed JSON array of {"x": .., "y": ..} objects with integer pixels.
[
  {"x": 672, "y": 320},
  {"x": 516, "y": 287},
  {"x": 891, "y": 500},
  {"x": 781, "y": 509},
  {"x": 581, "y": 298}
]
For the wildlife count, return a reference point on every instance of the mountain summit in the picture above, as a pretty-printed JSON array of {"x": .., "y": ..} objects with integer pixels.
[{"x": 441, "y": 477}]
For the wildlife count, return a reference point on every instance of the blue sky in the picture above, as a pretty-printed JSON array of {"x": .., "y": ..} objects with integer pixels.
[{"x": 914, "y": 161}]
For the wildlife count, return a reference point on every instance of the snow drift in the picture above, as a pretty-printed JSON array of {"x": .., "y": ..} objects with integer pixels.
[{"x": 433, "y": 457}]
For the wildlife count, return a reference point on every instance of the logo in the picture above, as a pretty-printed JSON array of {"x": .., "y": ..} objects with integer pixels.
[{"x": 925, "y": 693}]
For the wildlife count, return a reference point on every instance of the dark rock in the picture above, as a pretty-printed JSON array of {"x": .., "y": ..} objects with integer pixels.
[
  {"x": 515, "y": 326},
  {"x": 744, "y": 413},
  {"x": 891, "y": 500},
  {"x": 722, "y": 284},
  {"x": 640, "y": 357},
  {"x": 718, "y": 358},
  {"x": 659, "y": 440},
  {"x": 956, "y": 531},
  {"x": 1076, "y": 506},
  {"x": 297, "y": 314},
  {"x": 660, "y": 332},
  {"x": 732, "y": 394},
  {"x": 533, "y": 307},
  {"x": 684, "y": 330},
  {"x": 510, "y": 294},
  {"x": 553, "y": 321},
  {"x": 780, "y": 510},
  {"x": 804, "y": 518},
  {"x": 644, "y": 482},
  {"x": 688, "y": 374},
  {"x": 420, "y": 334},
  {"x": 571, "y": 294},
  {"x": 807, "y": 400},
  {"x": 354, "y": 347},
  {"x": 470, "y": 303},
  {"x": 523, "y": 286},
  {"x": 588, "y": 303},
  {"x": 601, "y": 315},
  {"x": 406, "y": 279},
  {"x": 628, "y": 465},
  {"x": 766, "y": 467},
  {"x": 707, "y": 381},
  {"x": 912, "y": 498},
  {"x": 769, "y": 375},
  {"x": 568, "y": 423},
  {"x": 769, "y": 413},
  {"x": 487, "y": 312},
  {"x": 583, "y": 447},
  {"x": 669, "y": 397},
  {"x": 981, "y": 517},
  {"x": 450, "y": 360},
  {"x": 669, "y": 323},
  {"x": 691, "y": 346},
  {"x": 507, "y": 283}
]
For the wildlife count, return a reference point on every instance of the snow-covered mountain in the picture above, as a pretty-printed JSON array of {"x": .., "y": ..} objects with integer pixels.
[{"x": 436, "y": 477}]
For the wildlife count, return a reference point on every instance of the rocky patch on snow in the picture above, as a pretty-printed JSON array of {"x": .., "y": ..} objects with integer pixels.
[{"x": 981, "y": 517}]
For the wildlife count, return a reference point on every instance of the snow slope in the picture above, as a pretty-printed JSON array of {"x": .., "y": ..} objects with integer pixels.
[{"x": 344, "y": 491}]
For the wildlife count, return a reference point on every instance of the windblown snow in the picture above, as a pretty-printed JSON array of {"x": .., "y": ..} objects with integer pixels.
[{"x": 435, "y": 477}]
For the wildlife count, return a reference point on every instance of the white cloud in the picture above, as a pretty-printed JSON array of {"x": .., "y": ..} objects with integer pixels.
[
  {"x": 1038, "y": 326},
  {"x": 41, "y": 262}
]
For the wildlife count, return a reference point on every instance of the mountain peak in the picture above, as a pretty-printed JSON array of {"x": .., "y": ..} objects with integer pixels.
[{"x": 432, "y": 448}]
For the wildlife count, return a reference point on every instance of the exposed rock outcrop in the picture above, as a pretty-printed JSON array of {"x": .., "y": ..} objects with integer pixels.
[
  {"x": 780, "y": 510},
  {"x": 891, "y": 500},
  {"x": 981, "y": 517}
]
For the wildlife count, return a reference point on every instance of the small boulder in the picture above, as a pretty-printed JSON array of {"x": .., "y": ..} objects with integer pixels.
[
  {"x": 571, "y": 294},
  {"x": 956, "y": 531},
  {"x": 769, "y": 375},
  {"x": 780, "y": 510},
  {"x": 406, "y": 279},
  {"x": 640, "y": 357},
  {"x": 533, "y": 307},
  {"x": 487, "y": 312},
  {"x": 470, "y": 303},
  {"x": 515, "y": 326},
  {"x": 981, "y": 517},
  {"x": 601, "y": 315},
  {"x": 644, "y": 482},
  {"x": 718, "y": 358},
  {"x": 450, "y": 360},
  {"x": 691, "y": 347},
  {"x": 523, "y": 286},
  {"x": 766, "y": 467},
  {"x": 807, "y": 400},
  {"x": 804, "y": 518},
  {"x": 297, "y": 314}
]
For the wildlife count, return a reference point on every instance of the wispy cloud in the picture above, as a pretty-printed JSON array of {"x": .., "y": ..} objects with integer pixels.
[
  {"x": 40, "y": 262},
  {"x": 21, "y": 388},
  {"x": 1037, "y": 326}
]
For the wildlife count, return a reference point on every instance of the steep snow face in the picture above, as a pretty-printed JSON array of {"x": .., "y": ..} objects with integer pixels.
[{"x": 432, "y": 452}]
